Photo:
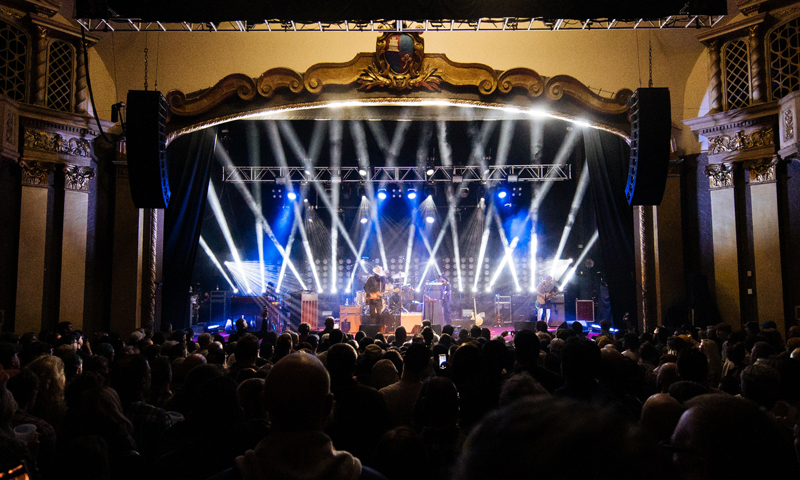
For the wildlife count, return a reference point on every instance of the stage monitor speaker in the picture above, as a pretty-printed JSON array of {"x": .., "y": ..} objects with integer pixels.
[
  {"x": 651, "y": 127},
  {"x": 519, "y": 326},
  {"x": 370, "y": 330},
  {"x": 146, "y": 143}
]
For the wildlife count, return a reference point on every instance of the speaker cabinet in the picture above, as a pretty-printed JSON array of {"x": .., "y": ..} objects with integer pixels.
[
  {"x": 519, "y": 326},
  {"x": 371, "y": 330},
  {"x": 651, "y": 126},
  {"x": 146, "y": 143}
]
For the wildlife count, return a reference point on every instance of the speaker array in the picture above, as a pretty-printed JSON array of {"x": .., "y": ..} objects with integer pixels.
[
  {"x": 650, "y": 133},
  {"x": 147, "y": 148}
]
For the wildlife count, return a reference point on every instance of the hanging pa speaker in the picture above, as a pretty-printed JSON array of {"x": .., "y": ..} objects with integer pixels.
[
  {"x": 651, "y": 126},
  {"x": 147, "y": 148}
]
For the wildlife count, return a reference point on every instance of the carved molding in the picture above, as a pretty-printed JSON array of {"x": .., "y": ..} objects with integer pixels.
[
  {"x": 720, "y": 175},
  {"x": 35, "y": 174},
  {"x": 10, "y": 118},
  {"x": 525, "y": 78},
  {"x": 761, "y": 170},
  {"x": 763, "y": 137},
  {"x": 399, "y": 66},
  {"x": 788, "y": 125},
  {"x": 77, "y": 177},
  {"x": 55, "y": 142},
  {"x": 559, "y": 85},
  {"x": 203, "y": 100}
]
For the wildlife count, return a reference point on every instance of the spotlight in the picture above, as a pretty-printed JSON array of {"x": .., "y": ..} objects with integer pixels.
[
  {"x": 464, "y": 192},
  {"x": 291, "y": 195},
  {"x": 430, "y": 166},
  {"x": 363, "y": 220},
  {"x": 430, "y": 219},
  {"x": 235, "y": 290},
  {"x": 382, "y": 194},
  {"x": 362, "y": 172},
  {"x": 502, "y": 194},
  {"x": 412, "y": 193}
]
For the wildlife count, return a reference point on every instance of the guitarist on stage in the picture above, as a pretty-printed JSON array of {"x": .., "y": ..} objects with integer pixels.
[
  {"x": 544, "y": 294},
  {"x": 374, "y": 287}
]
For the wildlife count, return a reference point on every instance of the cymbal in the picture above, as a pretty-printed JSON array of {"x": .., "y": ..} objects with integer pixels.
[{"x": 399, "y": 275}]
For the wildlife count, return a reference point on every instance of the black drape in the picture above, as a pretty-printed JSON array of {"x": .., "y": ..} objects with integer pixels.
[
  {"x": 190, "y": 158},
  {"x": 607, "y": 155}
]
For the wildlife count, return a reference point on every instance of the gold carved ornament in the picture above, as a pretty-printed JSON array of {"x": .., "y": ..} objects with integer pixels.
[
  {"x": 720, "y": 175},
  {"x": 35, "y": 173},
  {"x": 399, "y": 66},
  {"x": 55, "y": 142},
  {"x": 761, "y": 170},
  {"x": 762, "y": 137},
  {"x": 77, "y": 177}
]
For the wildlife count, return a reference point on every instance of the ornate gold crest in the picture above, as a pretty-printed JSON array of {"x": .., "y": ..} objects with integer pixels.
[{"x": 399, "y": 65}]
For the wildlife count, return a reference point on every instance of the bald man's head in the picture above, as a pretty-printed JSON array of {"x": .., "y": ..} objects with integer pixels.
[
  {"x": 660, "y": 415},
  {"x": 297, "y": 393}
]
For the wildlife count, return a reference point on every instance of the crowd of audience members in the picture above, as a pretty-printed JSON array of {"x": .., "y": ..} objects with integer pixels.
[{"x": 688, "y": 403}]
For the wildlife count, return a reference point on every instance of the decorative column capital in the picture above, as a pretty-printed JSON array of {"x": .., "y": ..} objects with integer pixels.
[
  {"x": 35, "y": 174},
  {"x": 761, "y": 170},
  {"x": 76, "y": 177},
  {"x": 720, "y": 175}
]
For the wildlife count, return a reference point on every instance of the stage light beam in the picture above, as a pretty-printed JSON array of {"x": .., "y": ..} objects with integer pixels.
[
  {"x": 216, "y": 263},
  {"x": 213, "y": 200},
  {"x": 571, "y": 272},
  {"x": 580, "y": 191}
]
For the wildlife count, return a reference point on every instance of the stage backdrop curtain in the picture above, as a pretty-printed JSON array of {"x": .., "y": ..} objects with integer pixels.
[
  {"x": 190, "y": 158},
  {"x": 608, "y": 156}
]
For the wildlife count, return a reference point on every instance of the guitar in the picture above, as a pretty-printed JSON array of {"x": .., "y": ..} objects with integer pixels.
[
  {"x": 477, "y": 318},
  {"x": 378, "y": 295},
  {"x": 541, "y": 299}
]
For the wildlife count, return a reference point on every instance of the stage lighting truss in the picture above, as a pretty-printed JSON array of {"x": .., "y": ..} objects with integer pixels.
[
  {"x": 118, "y": 23},
  {"x": 404, "y": 175}
]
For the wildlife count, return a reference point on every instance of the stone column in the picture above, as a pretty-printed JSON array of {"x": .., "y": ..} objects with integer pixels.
[
  {"x": 73, "y": 253},
  {"x": 32, "y": 245},
  {"x": 40, "y": 83},
  {"x": 127, "y": 257},
  {"x": 668, "y": 246},
  {"x": 726, "y": 260},
  {"x": 757, "y": 81},
  {"x": 715, "y": 77},
  {"x": 644, "y": 236},
  {"x": 766, "y": 240}
]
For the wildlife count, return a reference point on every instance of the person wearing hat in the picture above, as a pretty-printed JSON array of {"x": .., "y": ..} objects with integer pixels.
[{"x": 373, "y": 287}]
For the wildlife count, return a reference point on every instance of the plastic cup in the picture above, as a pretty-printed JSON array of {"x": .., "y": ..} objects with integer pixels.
[
  {"x": 174, "y": 417},
  {"x": 25, "y": 433}
]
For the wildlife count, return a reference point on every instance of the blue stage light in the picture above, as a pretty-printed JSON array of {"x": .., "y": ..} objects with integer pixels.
[
  {"x": 382, "y": 194},
  {"x": 291, "y": 195},
  {"x": 502, "y": 194}
]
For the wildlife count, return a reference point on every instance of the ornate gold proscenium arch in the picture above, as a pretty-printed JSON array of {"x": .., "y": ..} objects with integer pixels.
[{"x": 399, "y": 72}]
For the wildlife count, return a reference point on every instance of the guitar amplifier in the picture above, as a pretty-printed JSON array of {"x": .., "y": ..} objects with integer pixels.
[
  {"x": 352, "y": 315},
  {"x": 584, "y": 310}
]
